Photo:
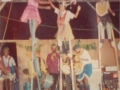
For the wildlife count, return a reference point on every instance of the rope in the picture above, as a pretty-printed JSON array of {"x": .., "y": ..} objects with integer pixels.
[
  {"x": 43, "y": 25},
  {"x": 72, "y": 28},
  {"x": 6, "y": 26}
]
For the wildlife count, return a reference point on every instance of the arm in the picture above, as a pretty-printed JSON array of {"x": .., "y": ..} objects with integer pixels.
[
  {"x": 43, "y": 2},
  {"x": 78, "y": 10},
  {"x": 111, "y": 11},
  {"x": 98, "y": 19},
  {"x": 44, "y": 7},
  {"x": 14, "y": 65},
  {"x": 53, "y": 6}
]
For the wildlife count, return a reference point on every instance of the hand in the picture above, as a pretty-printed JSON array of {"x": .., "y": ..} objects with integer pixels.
[
  {"x": 113, "y": 13},
  {"x": 74, "y": 2},
  {"x": 78, "y": 8},
  {"x": 48, "y": 7},
  {"x": 98, "y": 19},
  {"x": 69, "y": 55},
  {"x": 49, "y": 1}
]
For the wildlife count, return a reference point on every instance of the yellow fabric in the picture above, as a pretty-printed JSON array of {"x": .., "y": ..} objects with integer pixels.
[
  {"x": 102, "y": 9},
  {"x": 77, "y": 63},
  {"x": 43, "y": 67},
  {"x": 31, "y": 69}
]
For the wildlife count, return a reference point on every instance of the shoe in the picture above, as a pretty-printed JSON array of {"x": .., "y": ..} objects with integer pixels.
[
  {"x": 100, "y": 45},
  {"x": 113, "y": 44},
  {"x": 102, "y": 40}
]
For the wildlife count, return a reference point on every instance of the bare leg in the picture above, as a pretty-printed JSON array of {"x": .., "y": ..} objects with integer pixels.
[
  {"x": 1, "y": 85},
  {"x": 10, "y": 83},
  {"x": 109, "y": 31},
  {"x": 81, "y": 85},
  {"x": 101, "y": 33},
  {"x": 87, "y": 87},
  {"x": 7, "y": 84}
]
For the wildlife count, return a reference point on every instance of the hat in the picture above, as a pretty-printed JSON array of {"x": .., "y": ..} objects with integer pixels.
[
  {"x": 6, "y": 48},
  {"x": 76, "y": 46},
  {"x": 53, "y": 44}
]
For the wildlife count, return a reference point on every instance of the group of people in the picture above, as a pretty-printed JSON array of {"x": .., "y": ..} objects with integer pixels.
[
  {"x": 52, "y": 65},
  {"x": 64, "y": 34},
  {"x": 8, "y": 70}
]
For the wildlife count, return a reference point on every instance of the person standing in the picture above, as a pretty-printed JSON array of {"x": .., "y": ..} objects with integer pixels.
[
  {"x": 52, "y": 62},
  {"x": 85, "y": 69},
  {"x": 103, "y": 19}
]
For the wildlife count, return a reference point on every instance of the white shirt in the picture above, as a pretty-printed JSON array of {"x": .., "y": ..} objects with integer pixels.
[
  {"x": 68, "y": 16},
  {"x": 85, "y": 58},
  {"x": 9, "y": 61}
]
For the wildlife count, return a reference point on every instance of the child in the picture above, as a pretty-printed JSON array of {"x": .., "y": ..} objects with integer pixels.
[
  {"x": 9, "y": 62},
  {"x": 103, "y": 19},
  {"x": 64, "y": 29},
  {"x": 31, "y": 13}
]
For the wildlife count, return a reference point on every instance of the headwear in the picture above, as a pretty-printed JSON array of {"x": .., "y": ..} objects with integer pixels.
[
  {"x": 6, "y": 48},
  {"x": 66, "y": 2},
  {"x": 76, "y": 46},
  {"x": 53, "y": 44}
]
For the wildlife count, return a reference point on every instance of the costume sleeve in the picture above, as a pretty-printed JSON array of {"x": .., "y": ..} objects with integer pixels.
[
  {"x": 71, "y": 15},
  {"x": 56, "y": 10},
  {"x": 13, "y": 61}
]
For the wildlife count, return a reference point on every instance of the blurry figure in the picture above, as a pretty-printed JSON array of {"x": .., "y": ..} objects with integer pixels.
[
  {"x": 52, "y": 62},
  {"x": 103, "y": 19},
  {"x": 9, "y": 63},
  {"x": 85, "y": 67}
]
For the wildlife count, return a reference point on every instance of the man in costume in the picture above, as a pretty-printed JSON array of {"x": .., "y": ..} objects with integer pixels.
[
  {"x": 52, "y": 62},
  {"x": 85, "y": 68},
  {"x": 103, "y": 19},
  {"x": 40, "y": 67},
  {"x": 9, "y": 62}
]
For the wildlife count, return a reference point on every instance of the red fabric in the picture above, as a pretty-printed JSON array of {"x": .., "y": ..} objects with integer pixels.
[{"x": 53, "y": 64}]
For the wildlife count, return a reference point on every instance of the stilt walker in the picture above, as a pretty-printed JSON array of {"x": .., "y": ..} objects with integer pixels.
[
  {"x": 64, "y": 33},
  {"x": 31, "y": 14},
  {"x": 104, "y": 22}
]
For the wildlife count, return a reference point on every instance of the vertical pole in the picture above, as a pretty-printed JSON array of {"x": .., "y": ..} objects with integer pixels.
[
  {"x": 71, "y": 63},
  {"x": 99, "y": 47},
  {"x": 116, "y": 55},
  {"x": 34, "y": 42},
  {"x": 60, "y": 83}
]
